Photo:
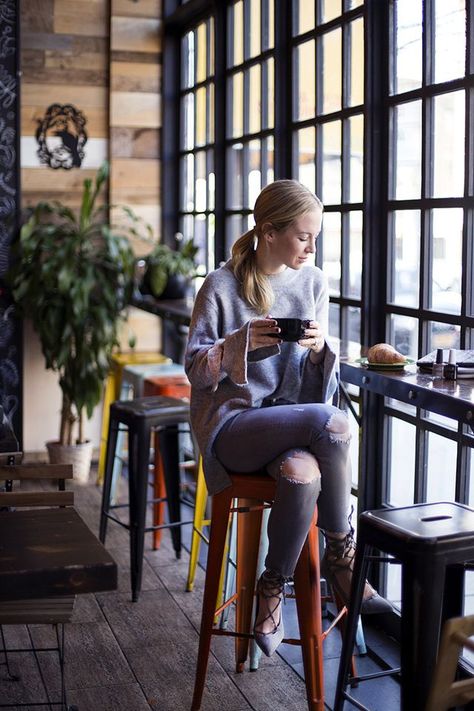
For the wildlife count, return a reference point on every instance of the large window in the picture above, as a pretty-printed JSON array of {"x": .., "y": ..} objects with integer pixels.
[{"x": 370, "y": 104}]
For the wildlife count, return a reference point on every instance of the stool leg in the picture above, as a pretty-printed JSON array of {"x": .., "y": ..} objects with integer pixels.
[
  {"x": 359, "y": 575},
  {"x": 198, "y": 524},
  {"x": 139, "y": 450},
  {"x": 422, "y": 604},
  {"x": 159, "y": 492},
  {"x": 308, "y": 604},
  {"x": 249, "y": 526},
  {"x": 221, "y": 505},
  {"x": 109, "y": 391},
  {"x": 169, "y": 448},
  {"x": 109, "y": 465}
]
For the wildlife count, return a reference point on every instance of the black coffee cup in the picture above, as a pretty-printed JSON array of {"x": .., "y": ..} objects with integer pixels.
[{"x": 291, "y": 329}]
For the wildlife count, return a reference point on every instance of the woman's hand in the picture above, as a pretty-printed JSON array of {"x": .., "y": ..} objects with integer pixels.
[
  {"x": 314, "y": 340},
  {"x": 259, "y": 331}
]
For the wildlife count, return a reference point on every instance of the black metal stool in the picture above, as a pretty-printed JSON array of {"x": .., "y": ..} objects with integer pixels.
[
  {"x": 141, "y": 416},
  {"x": 432, "y": 542}
]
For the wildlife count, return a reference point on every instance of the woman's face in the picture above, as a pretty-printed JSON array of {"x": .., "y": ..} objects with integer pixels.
[{"x": 295, "y": 246}]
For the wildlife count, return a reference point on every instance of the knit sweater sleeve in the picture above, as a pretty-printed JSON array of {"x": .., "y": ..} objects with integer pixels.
[{"x": 210, "y": 355}]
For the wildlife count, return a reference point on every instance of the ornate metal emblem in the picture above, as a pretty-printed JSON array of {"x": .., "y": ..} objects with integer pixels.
[{"x": 61, "y": 136}]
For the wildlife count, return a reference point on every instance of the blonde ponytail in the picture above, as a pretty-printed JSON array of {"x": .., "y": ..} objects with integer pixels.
[{"x": 279, "y": 204}]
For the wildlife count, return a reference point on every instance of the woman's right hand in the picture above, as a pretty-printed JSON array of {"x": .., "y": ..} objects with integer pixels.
[{"x": 259, "y": 333}]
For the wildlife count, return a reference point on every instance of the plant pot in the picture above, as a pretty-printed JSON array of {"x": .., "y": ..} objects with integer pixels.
[
  {"x": 177, "y": 287},
  {"x": 79, "y": 455}
]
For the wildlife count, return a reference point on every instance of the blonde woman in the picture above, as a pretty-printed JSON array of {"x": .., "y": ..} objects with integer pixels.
[{"x": 259, "y": 402}]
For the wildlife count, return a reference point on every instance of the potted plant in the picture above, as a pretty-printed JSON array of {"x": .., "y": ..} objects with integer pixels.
[
  {"x": 72, "y": 275},
  {"x": 168, "y": 272}
]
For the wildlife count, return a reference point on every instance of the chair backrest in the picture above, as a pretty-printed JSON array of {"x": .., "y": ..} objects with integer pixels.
[
  {"x": 39, "y": 474},
  {"x": 445, "y": 691}
]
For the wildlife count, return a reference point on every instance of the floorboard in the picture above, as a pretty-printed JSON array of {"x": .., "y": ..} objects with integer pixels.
[{"x": 124, "y": 656}]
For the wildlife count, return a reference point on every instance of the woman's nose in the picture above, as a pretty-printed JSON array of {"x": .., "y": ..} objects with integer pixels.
[{"x": 311, "y": 246}]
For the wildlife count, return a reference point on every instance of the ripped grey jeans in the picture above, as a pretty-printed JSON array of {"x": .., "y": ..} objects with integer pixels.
[{"x": 305, "y": 447}]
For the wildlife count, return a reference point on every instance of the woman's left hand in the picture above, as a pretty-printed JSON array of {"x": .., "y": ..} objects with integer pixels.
[{"x": 314, "y": 338}]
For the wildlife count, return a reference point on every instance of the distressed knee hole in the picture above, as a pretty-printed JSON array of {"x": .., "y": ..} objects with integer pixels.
[
  {"x": 338, "y": 428},
  {"x": 300, "y": 467}
]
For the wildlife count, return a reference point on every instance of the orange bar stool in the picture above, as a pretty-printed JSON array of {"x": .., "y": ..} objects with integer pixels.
[
  {"x": 254, "y": 492},
  {"x": 112, "y": 391},
  {"x": 178, "y": 386}
]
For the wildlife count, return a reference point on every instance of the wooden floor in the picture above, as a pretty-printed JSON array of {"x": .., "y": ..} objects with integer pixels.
[{"x": 124, "y": 656}]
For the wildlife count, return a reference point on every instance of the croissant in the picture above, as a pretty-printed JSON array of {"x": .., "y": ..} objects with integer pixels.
[{"x": 384, "y": 353}]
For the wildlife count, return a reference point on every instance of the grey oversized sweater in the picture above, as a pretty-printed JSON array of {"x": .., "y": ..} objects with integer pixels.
[{"x": 227, "y": 379}]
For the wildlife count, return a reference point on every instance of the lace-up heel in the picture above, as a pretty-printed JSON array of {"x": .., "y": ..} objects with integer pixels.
[
  {"x": 337, "y": 566},
  {"x": 270, "y": 586}
]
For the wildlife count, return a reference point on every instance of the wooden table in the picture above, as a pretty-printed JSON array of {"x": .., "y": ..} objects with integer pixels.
[
  {"x": 51, "y": 552},
  {"x": 176, "y": 315}
]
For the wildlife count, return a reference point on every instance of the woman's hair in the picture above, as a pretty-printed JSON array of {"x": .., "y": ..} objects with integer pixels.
[{"x": 279, "y": 205}]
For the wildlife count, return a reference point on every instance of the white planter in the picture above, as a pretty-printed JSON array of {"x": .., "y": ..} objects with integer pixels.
[{"x": 79, "y": 455}]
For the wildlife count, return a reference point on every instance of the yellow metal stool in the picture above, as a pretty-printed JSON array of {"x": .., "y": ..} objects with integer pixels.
[{"x": 113, "y": 386}]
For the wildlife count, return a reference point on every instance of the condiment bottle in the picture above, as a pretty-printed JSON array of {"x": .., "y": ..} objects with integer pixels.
[
  {"x": 438, "y": 365},
  {"x": 451, "y": 368}
]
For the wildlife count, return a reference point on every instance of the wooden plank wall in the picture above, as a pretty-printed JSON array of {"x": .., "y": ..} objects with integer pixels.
[
  {"x": 135, "y": 108},
  {"x": 65, "y": 47},
  {"x": 104, "y": 57}
]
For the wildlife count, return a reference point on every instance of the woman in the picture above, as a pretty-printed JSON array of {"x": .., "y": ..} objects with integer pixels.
[{"x": 258, "y": 402}]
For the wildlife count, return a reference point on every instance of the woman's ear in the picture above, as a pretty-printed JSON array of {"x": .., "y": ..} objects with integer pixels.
[{"x": 268, "y": 231}]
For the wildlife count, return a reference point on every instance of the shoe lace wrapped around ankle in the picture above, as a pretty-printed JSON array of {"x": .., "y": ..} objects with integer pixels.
[
  {"x": 341, "y": 549},
  {"x": 271, "y": 585}
]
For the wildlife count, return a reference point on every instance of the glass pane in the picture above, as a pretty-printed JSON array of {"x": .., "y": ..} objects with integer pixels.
[
  {"x": 270, "y": 94},
  {"x": 255, "y": 106},
  {"x": 331, "y": 165},
  {"x": 351, "y": 317},
  {"x": 403, "y": 334},
  {"x": 304, "y": 72},
  {"x": 449, "y": 145},
  {"x": 447, "y": 260},
  {"x": 210, "y": 113},
  {"x": 330, "y": 9},
  {"x": 334, "y": 320},
  {"x": 201, "y": 183},
  {"x": 401, "y": 483},
  {"x": 211, "y": 181},
  {"x": 210, "y": 68},
  {"x": 187, "y": 226},
  {"x": 331, "y": 234},
  {"x": 304, "y": 153},
  {"x": 271, "y": 25},
  {"x": 407, "y": 50},
  {"x": 237, "y": 104},
  {"x": 303, "y": 16},
  {"x": 238, "y": 33},
  {"x": 211, "y": 233},
  {"x": 254, "y": 29},
  {"x": 356, "y": 89},
  {"x": 356, "y": 165},
  {"x": 443, "y": 335},
  {"x": 406, "y": 258},
  {"x": 187, "y": 78},
  {"x": 187, "y": 181},
  {"x": 201, "y": 52},
  {"x": 233, "y": 231},
  {"x": 234, "y": 172},
  {"x": 351, "y": 4},
  {"x": 270, "y": 151},
  {"x": 331, "y": 71},
  {"x": 201, "y": 116},
  {"x": 407, "y": 159},
  {"x": 450, "y": 40},
  {"x": 188, "y": 122},
  {"x": 254, "y": 178},
  {"x": 355, "y": 255},
  {"x": 441, "y": 469}
]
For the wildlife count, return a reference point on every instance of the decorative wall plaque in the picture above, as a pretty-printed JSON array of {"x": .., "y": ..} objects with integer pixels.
[
  {"x": 10, "y": 328},
  {"x": 61, "y": 136}
]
